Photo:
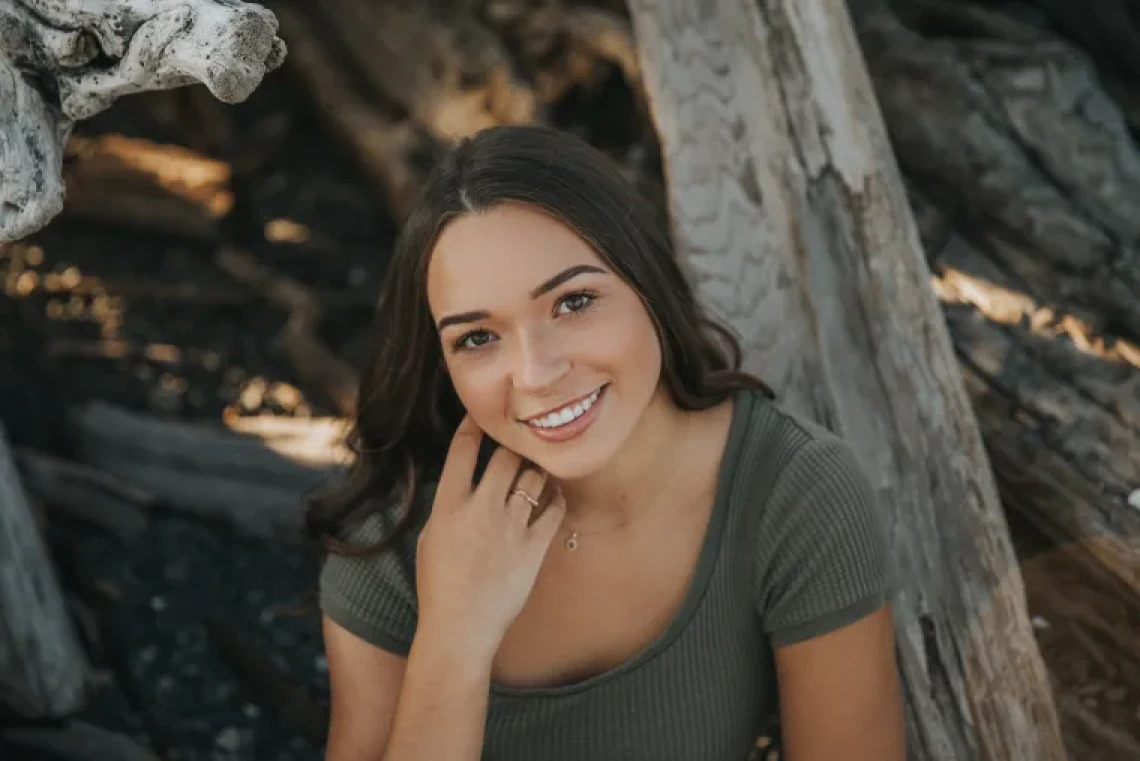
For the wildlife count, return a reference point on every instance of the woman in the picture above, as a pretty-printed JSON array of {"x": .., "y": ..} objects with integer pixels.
[{"x": 603, "y": 540}]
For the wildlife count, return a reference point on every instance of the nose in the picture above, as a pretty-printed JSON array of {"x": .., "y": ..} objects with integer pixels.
[{"x": 539, "y": 363}]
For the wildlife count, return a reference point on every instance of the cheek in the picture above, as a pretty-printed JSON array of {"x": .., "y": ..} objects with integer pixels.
[
  {"x": 635, "y": 348},
  {"x": 479, "y": 386}
]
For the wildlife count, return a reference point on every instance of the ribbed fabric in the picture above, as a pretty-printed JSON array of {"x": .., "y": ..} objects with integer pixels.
[{"x": 796, "y": 546}]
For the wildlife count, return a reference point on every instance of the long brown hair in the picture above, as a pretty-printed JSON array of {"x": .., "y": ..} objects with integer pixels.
[{"x": 407, "y": 409}]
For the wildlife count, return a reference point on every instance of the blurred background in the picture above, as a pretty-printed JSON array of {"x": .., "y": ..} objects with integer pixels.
[{"x": 178, "y": 347}]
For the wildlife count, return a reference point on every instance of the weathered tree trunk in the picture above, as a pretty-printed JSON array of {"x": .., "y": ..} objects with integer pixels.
[
  {"x": 66, "y": 60},
  {"x": 791, "y": 215},
  {"x": 43, "y": 671}
]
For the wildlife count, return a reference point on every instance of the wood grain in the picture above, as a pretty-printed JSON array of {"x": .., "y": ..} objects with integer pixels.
[{"x": 791, "y": 214}]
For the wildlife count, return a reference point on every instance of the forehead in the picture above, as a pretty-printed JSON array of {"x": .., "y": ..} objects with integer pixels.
[{"x": 500, "y": 253}]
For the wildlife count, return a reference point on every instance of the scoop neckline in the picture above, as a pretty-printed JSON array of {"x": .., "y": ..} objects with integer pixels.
[{"x": 706, "y": 562}]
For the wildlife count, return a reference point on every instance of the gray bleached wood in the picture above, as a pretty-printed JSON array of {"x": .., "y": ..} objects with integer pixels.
[
  {"x": 87, "y": 494},
  {"x": 43, "y": 670},
  {"x": 252, "y": 477},
  {"x": 66, "y": 60},
  {"x": 791, "y": 216}
]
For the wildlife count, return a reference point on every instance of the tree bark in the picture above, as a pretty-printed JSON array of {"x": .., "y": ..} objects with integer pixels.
[
  {"x": 43, "y": 671},
  {"x": 791, "y": 215}
]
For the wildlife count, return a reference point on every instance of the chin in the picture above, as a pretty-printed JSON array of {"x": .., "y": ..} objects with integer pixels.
[
  {"x": 571, "y": 467},
  {"x": 572, "y": 460}
]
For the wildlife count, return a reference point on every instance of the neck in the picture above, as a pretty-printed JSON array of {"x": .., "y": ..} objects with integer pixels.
[{"x": 638, "y": 474}]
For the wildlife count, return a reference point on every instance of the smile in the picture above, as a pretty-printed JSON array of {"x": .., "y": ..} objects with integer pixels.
[
  {"x": 567, "y": 421},
  {"x": 566, "y": 414}
]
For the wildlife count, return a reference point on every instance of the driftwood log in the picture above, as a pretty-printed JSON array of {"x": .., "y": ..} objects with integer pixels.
[
  {"x": 1030, "y": 215},
  {"x": 43, "y": 670},
  {"x": 791, "y": 214},
  {"x": 142, "y": 185},
  {"x": 86, "y": 494},
  {"x": 66, "y": 60},
  {"x": 250, "y": 477}
]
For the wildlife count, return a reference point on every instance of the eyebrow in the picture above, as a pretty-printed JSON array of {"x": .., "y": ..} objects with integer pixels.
[{"x": 546, "y": 287}]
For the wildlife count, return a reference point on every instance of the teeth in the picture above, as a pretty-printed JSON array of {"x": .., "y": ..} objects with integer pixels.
[{"x": 566, "y": 414}]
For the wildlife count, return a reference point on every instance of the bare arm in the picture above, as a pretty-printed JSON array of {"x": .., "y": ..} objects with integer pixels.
[
  {"x": 442, "y": 708},
  {"x": 476, "y": 563},
  {"x": 840, "y": 695},
  {"x": 364, "y": 684},
  {"x": 432, "y": 704}
]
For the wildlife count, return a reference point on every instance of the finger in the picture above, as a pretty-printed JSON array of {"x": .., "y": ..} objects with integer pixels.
[
  {"x": 459, "y": 467},
  {"x": 544, "y": 528},
  {"x": 530, "y": 483},
  {"x": 499, "y": 475}
]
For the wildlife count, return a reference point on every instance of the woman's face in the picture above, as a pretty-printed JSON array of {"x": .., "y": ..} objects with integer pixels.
[{"x": 552, "y": 354}]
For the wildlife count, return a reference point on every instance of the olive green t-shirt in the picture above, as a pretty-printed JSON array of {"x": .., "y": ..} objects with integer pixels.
[{"x": 795, "y": 547}]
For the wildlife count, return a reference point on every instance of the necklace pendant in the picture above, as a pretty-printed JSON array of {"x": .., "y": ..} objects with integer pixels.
[{"x": 572, "y": 541}]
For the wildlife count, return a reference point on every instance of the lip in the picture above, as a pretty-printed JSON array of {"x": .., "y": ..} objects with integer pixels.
[{"x": 574, "y": 427}]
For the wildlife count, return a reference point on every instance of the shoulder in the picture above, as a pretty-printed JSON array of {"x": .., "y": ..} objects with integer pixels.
[
  {"x": 777, "y": 445},
  {"x": 815, "y": 528},
  {"x": 372, "y": 591}
]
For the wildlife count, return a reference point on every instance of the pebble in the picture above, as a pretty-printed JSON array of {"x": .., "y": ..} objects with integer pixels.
[{"x": 229, "y": 739}]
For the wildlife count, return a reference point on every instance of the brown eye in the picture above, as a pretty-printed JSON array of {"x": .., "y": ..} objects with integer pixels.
[
  {"x": 575, "y": 302},
  {"x": 473, "y": 340}
]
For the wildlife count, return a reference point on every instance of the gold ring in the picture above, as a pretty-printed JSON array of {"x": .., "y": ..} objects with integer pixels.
[{"x": 533, "y": 502}]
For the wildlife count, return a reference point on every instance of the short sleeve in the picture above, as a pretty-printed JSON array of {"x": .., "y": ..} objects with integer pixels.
[
  {"x": 824, "y": 558},
  {"x": 372, "y": 596}
]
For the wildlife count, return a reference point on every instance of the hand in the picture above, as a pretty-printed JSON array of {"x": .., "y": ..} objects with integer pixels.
[{"x": 480, "y": 551}]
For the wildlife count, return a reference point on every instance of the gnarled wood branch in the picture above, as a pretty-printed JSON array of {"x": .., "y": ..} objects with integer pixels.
[{"x": 66, "y": 60}]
